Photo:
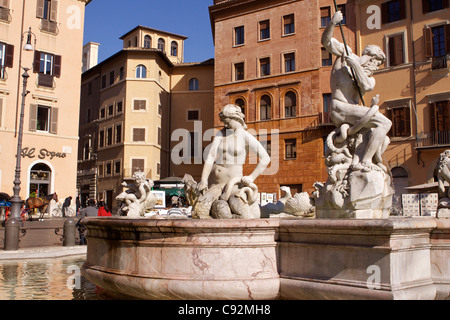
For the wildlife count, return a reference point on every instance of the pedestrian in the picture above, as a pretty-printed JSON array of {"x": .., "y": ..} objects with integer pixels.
[
  {"x": 103, "y": 210},
  {"x": 90, "y": 211},
  {"x": 66, "y": 205},
  {"x": 78, "y": 204}
]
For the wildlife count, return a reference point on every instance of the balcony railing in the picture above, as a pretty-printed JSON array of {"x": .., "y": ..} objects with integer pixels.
[
  {"x": 324, "y": 119},
  {"x": 433, "y": 139},
  {"x": 49, "y": 26},
  {"x": 5, "y": 14},
  {"x": 440, "y": 62},
  {"x": 45, "y": 80}
]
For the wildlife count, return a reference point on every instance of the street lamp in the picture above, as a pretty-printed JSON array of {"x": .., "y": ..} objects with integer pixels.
[{"x": 12, "y": 226}]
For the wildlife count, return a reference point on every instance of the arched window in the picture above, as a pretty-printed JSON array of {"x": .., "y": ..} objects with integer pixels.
[
  {"x": 193, "y": 84},
  {"x": 147, "y": 42},
  {"x": 40, "y": 180},
  {"x": 265, "y": 106},
  {"x": 162, "y": 44},
  {"x": 141, "y": 72},
  {"x": 174, "y": 49},
  {"x": 240, "y": 103},
  {"x": 290, "y": 104}
]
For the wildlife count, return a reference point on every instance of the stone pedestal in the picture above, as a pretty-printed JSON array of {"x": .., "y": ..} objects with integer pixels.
[
  {"x": 183, "y": 259},
  {"x": 360, "y": 195},
  {"x": 358, "y": 259}
]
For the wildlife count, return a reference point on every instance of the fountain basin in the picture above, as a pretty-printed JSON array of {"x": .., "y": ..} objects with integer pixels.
[{"x": 183, "y": 259}]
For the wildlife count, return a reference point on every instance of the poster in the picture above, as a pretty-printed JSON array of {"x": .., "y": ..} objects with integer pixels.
[
  {"x": 429, "y": 204},
  {"x": 161, "y": 199},
  {"x": 411, "y": 204}
]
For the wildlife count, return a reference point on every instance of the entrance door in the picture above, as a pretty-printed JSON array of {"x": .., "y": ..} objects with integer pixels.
[{"x": 40, "y": 179}]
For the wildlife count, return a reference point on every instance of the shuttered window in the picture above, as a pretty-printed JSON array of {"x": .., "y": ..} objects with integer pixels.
[
  {"x": 289, "y": 24},
  {"x": 396, "y": 52},
  {"x": 47, "y": 63},
  {"x": 43, "y": 118},
  {"x": 434, "y": 5},
  {"x": 137, "y": 165},
  {"x": 138, "y": 134},
  {"x": 401, "y": 121},
  {"x": 392, "y": 11},
  {"x": 140, "y": 105},
  {"x": 47, "y": 10},
  {"x": 437, "y": 40},
  {"x": 264, "y": 30}
]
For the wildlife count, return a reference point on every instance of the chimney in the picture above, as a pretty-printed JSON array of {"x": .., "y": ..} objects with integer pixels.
[{"x": 90, "y": 55}]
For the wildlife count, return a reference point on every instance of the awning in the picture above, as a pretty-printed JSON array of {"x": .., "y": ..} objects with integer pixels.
[{"x": 426, "y": 187}]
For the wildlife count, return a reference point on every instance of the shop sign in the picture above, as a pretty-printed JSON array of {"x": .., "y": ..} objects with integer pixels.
[{"x": 43, "y": 154}]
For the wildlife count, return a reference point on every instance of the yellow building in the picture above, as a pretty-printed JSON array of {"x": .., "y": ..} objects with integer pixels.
[
  {"x": 414, "y": 83},
  {"x": 53, "y": 32},
  {"x": 130, "y": 105}
]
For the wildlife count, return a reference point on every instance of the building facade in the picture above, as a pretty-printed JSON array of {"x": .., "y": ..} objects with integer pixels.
[
  {"x": 130, "y": 105},
  {"x": 270, "y": 61},
  {"x": 53, "y": 32},
  {"x": 414, "y": 83}
]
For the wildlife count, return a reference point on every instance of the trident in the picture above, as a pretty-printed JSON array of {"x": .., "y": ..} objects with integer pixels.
[{"x": 346, "y": 51}]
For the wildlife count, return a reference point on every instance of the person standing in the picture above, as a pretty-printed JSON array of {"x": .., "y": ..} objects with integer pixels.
[
  {"x": 90, "y": 211},
  {"x": 66, "y": 205},
  {"x": 103, "y": 210}
]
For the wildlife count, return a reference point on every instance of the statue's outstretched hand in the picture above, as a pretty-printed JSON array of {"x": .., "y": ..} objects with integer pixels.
[{"x": 337, "y": 18}]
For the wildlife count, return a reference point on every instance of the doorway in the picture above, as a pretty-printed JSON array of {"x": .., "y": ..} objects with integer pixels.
[{"x": 40, "y": 180}]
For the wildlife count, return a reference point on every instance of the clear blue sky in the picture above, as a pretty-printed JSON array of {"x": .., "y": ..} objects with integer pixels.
[{"x": 107, "y": 20}]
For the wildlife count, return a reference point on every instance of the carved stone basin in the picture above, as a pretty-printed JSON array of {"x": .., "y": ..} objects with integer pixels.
[{"x": 183, "y": 259}]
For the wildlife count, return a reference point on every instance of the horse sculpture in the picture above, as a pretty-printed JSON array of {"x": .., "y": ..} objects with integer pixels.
[{"x": 41, "y": 203}]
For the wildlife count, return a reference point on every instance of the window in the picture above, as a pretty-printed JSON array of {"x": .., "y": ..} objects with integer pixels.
[
  {"x": 108, "y": 168},
  {"x": 401, "y": 121},
  {"x": 158, "y": 168},
  {"x": 290, "y": 148},
  {"x": 100, "y": 171},
  {"x": 118, "y": 133},
  {"x": 264, "y": 67},
  {"x": 341, "y": 8},
  {"x": 138, "y": 134},
  {"x": 326, "y": 99},
  {"x": 440, "y": 116},
  {"x": 110, "y": 110},
  {"x": 102, "y": 113},
  {"x": 239, "y": 36},
  {"x": 121, "y": 73},
  {"x": 147, "y": 42},
  {"x": 265, "y": 108},
  {"x": 290, "y": 104},
  {"x": 104, "y": 81},
  {"x": 392, "y": 11},
  {"x": 289, "y": 62},
  {"x": 395, "y": 50},
  {"x": 264, "y": 30},
  {"x": 135, "y": 42},
  {"x": 47, "y": 9},
  {"x": 174, "y": 49},
  {"x": 47, "y": 65},
  {"x": 327, "y": 59},
  {"x": 437, "y": 45},
  {"x": 159, "y": 137},
  {"x": 111, "y": 77},
  {"x": 140, "y": 105},
  {"x": 268, "y": 146},
  {"x": 141, "y": 72},
  {"x": 119, "y": 107},
  {"x": 240, "y": 103},
  {"x": 6, "y": 58},
  {"x": 109, "y": 136},
  {"x": 434, "y": 5},
  {"x": 117, "y": 167},
  {"x": 325, "y": 16},
  {"x": 162, "y": 44},
  {"x": 239, "y": 71},
  {"x": 87, "y": 150},
  {"x": 43, "y": 119},
  {"x": 137, "y": 165},
  {"x": 289, "y": 24},
  {"x": 101, "y": 138},
  {"x": 193, "y": 84},
  {"x": 5, "y": 11},
  {"x": 193, "y": 115}
]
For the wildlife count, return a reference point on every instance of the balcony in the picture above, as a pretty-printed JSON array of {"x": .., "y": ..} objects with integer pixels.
[
  {"x": 429, "y": 140},
  {"x": 45, "y": 80},
  {"x": 49, "y": 26},
  {"x": 324, "y": 119},
  {"x": 5, "y": 14},
  {"x": 440, "y": 62}
]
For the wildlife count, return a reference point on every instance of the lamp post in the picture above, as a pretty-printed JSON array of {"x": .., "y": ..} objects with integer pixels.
[{"x": 12, "y": 226}]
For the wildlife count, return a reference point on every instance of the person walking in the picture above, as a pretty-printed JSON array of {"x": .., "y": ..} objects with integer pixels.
[{"x": 103, "y": 210}]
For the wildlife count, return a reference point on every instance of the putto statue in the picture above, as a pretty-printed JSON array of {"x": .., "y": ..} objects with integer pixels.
[
  {"x": 443, "y": 174},
  {"x": 359, "y": 185},
  {"x": 223, "y": 191},
  {"x": 138, "y": 199}
]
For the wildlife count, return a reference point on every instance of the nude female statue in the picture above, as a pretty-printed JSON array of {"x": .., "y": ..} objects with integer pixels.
[{"x": 223, "y": 179}]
